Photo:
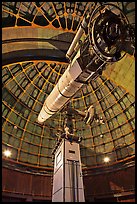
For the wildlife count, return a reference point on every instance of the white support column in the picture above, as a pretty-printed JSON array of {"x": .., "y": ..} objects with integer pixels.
[{"x": 67, "y": 179}]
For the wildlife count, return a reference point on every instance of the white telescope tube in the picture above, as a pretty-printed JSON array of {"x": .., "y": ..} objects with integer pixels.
[{"x": 62, "y": 92}]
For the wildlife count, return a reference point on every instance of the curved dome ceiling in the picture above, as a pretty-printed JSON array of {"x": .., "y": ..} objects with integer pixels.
[{"x": 33, "y": 61}]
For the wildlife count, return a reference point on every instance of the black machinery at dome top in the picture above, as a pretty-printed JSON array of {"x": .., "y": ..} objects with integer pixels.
[{"x": 107, "y": 30}]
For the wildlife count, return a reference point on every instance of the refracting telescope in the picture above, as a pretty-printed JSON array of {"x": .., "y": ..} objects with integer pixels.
[{"x": 106, "y": 33}]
